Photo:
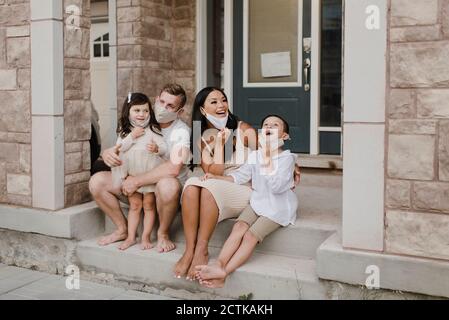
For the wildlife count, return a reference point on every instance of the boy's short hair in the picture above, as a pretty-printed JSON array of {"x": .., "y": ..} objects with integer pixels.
[
  {"x": 286, "y": 126},
  {"x": 176, "y": 90}
]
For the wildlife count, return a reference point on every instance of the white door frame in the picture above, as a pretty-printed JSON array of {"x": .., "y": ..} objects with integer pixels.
[{"x": 201, "y": 61}]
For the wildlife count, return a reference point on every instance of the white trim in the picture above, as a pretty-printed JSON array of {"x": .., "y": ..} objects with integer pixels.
[
  {"x": 228, "y": 51},
  {"x": 112, "y": 7},
  {"x": 247, "y": 84},
  {"x": 315, "y": 87},
  {"x": 201, "y": 44},
  {"x": 329, "y": 129}
]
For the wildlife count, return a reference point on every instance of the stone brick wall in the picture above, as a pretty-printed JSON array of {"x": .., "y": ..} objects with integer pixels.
[
  {"x": 77, "y": 106},
  {"x": 417, "y": 191},
  {"x": 155, "y": 45},
  {"x": 15, "y": 107}
]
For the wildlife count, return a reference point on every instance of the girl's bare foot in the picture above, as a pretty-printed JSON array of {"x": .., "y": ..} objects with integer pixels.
[
  {"x": 213, "y": 283},
  {"x": 183, "y": 264},
  {"x": 212, "y": 272},
  {"x": 164, "y": 244},
  {"x": 113, "y": 237},
  {"x": 127, "y": 243},
  {"x": 146, "y": 245}
]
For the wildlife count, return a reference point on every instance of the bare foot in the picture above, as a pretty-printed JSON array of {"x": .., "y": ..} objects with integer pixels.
[
  {"x": 212, "y": 272},
  {"x": 213, "y": 283},
  {"x": 146, "y": 245},
  {"x": 183, "y": 264},
  {"x": 164, "y": 244},
  {"x": 113, "y": 237},
  {"x": 127, "y": 243},
  {"x": 200, "y": 258}
]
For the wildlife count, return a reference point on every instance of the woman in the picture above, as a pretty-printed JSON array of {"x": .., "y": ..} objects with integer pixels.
[{"x": 205, "y": 203}]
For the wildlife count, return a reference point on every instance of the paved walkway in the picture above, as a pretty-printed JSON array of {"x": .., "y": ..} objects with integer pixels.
[{"x": 23, "y": 284}]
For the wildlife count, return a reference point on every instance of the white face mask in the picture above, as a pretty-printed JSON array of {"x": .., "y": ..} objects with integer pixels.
[
  {"x": 142, "y": 124},
  {"x": 275, "y": 143},
  {"x": 163, "y": 115},
  {"x": 218, "y": 123}
]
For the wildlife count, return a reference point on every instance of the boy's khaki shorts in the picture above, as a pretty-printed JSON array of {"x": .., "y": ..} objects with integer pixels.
[{"x": 260, "y": 226}]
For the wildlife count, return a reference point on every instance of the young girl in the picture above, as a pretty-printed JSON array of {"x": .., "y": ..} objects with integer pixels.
[
  {"x": 273, "y": 204},
  {"x": 141, "y": 149}
]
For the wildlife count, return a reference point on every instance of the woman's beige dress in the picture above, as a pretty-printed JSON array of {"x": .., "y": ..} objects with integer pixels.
[{"x": 231, "y": 198}]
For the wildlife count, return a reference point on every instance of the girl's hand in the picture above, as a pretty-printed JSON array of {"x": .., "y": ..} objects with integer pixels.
[
  {"x": 208, "y": 176},
  {"x": 152, "y": 147},
  {"x": 137, "y": 132}
]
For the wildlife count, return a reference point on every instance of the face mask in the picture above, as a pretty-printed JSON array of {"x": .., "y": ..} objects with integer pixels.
[
  {"x": 142, "y": 124},
  {"x": 218, "y": 123},
  {"x": 275, "y": 143},
  {"x": 163, "y": 115}
]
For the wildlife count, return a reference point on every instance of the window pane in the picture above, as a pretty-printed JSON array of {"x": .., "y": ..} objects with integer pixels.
[
  {"x": 98, "y": 39},
  {"x": 331, "y": 54},
  {"x": 273, "y": 27},
  {"x": 105, "y": 50},
  {"x": 97, "y": 50},
  {"x": 106, "y": 37}
]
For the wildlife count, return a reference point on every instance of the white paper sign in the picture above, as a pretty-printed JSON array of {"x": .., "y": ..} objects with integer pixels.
[{"x": 276, "y": 64}]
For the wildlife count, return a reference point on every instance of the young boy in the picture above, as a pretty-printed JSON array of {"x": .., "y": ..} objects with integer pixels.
[{"x": 273, "y": 203}]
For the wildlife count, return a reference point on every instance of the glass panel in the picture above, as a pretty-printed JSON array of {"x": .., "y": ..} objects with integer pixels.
[
  {"x": 272, "y": 27},
  {"x": 105, "y": 50},
  {"x": 215, "y": 43},
  {"x": 98, "y": 39},
  {"x": 331, "y": 54},
  {"x": 106, "y": 37},
  {"x": 97, "y": 50}
]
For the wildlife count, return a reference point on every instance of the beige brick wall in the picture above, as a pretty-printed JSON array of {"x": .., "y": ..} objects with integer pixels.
[
  {"x": 77, "y": 106},
  {"x": 15, "y": 107},
  {"x": 155, "y": 45},
  {"x": 417, "y": 191}
]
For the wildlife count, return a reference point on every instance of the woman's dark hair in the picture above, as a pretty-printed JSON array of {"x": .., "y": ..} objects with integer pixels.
[
  {"x": 200, "y": 99},
  {"x": 136, "y": 99},
  {"x": 286, "y": 126}
]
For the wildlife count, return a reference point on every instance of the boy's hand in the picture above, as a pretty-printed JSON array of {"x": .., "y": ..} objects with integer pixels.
[
  {"x": 137, "y": 132},
  {"x": 296, "y": 175},
  {"x": 152, "y": 147},
  {"x": 208, "y": 176}
]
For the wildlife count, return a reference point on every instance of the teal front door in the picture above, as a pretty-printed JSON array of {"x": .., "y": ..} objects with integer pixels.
[{"x": 271, "y": 68}]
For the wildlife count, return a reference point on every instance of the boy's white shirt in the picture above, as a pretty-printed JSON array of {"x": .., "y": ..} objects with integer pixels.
[{"x": 272, "y": 195}]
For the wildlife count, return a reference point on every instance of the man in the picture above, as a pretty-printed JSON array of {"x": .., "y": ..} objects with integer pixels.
[{"x": 168, "y": 177}]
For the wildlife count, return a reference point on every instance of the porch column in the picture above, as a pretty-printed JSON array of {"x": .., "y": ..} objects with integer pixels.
[
  {"x": 365, "y": 52},
  {"x": 47, "y": 99}
]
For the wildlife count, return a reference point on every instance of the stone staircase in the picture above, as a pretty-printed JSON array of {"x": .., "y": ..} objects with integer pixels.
[{"x": 283, "y": 266}]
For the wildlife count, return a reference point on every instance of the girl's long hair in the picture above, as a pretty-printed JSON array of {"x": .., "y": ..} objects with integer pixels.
[
  {"x": 200, "y": 99},
  {"x": 136, "y": 99}
]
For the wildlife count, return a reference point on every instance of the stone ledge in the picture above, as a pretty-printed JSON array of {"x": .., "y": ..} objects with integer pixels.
[
  {"x": 79, "y": 222},
  {"x": 397, "y": 273}
]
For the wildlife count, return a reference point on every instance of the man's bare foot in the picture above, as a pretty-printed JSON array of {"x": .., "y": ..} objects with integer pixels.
[
  {"x": 113, "y": 237},
  {"x": 146, "y": 245},
  {"x": 127, "y": 243},
  {"x": 164, "y": 244},
  {"x": 213, "y": 283},
  {"x": 183, "y": 264},
  {"x": 211, "y": 272},
  {"x": 201, "y": 257}
]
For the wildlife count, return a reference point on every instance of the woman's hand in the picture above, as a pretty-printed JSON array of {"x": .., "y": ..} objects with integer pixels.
[
  {"x": 137, "y": 132},
  {"x": 223, "y": 135},
  {"x": 208, "y": 176},
  {"x": 296, "y": 175},
  {"x": 152, "y": 147},
  {"x": 110, "y": 156}
]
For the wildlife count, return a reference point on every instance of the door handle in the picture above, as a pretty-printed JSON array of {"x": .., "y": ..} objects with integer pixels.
[{"x": 307, "y": 64}]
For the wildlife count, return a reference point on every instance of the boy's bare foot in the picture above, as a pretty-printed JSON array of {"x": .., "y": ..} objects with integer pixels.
[
  {"x": 127, "y": 243},
  {"x": 211, "y": 272},
  {"x": 213, "y": 283},
  {"x": 183, "y": 264},
  {"x": 164, "y": 244},
  {"x": 146, "y": 245},
  {"x": 113, "y": 237},
  {"x": 201, "y": 257}
]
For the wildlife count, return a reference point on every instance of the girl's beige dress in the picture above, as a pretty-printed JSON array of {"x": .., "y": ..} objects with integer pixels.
[
  {"x": 231, "y": 198},
  {"x": 137, "y": 160}
]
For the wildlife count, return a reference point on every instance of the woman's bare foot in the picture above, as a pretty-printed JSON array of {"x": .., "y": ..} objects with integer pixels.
[
  {"x": 201, "y": 257},
  {"x": 164, "y": 244},
  {"x": 113, "y": 237},
  {"x": 127, "y": 243},
  {"x": 213, "y": 283},
  {"x": 183, "y": 264},
  {"x": 146, "y": 245}
]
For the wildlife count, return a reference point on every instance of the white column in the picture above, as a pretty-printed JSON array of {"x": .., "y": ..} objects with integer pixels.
[
  {"x": 365, "y": 47},
  {"x": 112, "y": 7},
  {"x": 47, "y": 103}
]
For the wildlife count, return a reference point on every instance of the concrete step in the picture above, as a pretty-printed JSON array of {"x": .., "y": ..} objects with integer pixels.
[{"x": 265, "y": 276}]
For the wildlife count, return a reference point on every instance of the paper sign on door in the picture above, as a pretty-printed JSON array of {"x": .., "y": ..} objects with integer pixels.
[{"x": 276, "y": 64}]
